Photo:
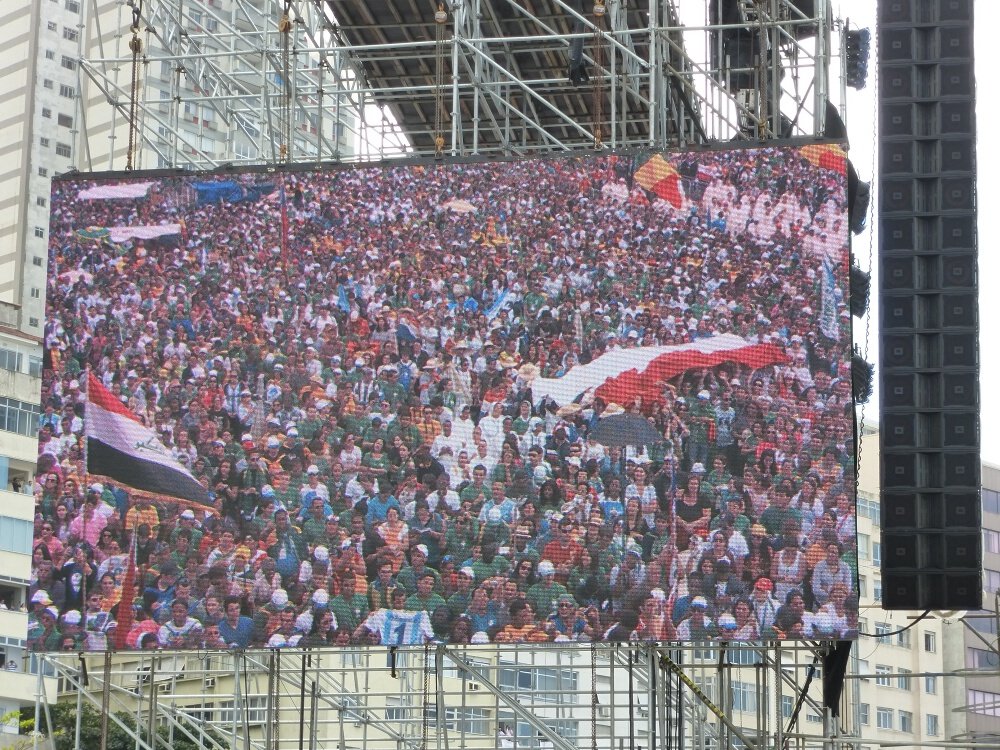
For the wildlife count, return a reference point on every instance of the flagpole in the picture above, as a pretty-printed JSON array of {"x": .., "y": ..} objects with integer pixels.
[{"x": 86, "y": 485}]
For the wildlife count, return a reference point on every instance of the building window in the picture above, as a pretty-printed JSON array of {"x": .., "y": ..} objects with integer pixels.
[
  {"x": 882, "y": 675},
  {"x": 991, "y": 501},
  {"x": 787, "y": 705},
  {"x": 39, "y": 232},
  {"x": 981, "y": 658},
  {"x": 50, "y": 54},
  {"x": 47, "y": 83},
  {"x": 52, "y": 26},
  {"x": 43, "y": 142},
  {"x": 41, "y": 201},
  {"x": 63, "y": 149},
  {"x": 905, "y": 721},
  {"x": 930, "y": 642},
  {"x": 932, "y": 725},
  {"x": 10, "y": 359},
  {"x": 903, "y": 679},
  {"x": 15, "y": 535},
  {"x": 72, "y": 6},
  {"x": 43, "y": 172},
  {"x": 883, "y": 718},
  {"x": 862, "y": 588},
  {"x": 68, "y": 62},
  {"x": 46, "y": 112},
  {"x": 35, "y": 293},
  {"x": 984, "y": 702},
  {"x": 877, "y": 589},
  {"x": 744, "y": 696},
  {"x": 877, "y": 554},
  {"x": 881, "y": 628},
  {"x": 65, "y": 121},
  {"x": 865, "y": 712},
  {"x": 70, "y": 33},
  {"x": 33, "y": 322},
  {"x": 35, "y": 367},
  {"x": 863, "y": 546},
  {"x": 930, "y": 684},
  {"x": 991, "y": 540},
  {"x": 18, "y": 416},
  {"x": 991, "y": 579},
  {"x": 37, "y": 260},
  {"x": 68, "y": 91},
  {"x": 869, "y": 507},
  {"x": 903, "y": 639}
]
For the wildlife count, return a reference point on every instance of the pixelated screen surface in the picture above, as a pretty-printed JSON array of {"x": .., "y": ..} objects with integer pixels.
[{"x": 568, "y": 399}]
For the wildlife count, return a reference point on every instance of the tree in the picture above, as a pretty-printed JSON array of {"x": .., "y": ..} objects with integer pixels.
[{"x": 63, "y": 729}]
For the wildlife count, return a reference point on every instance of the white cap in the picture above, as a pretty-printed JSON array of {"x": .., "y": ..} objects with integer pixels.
[
  {"x": 279, "y": 598},
  {"x": 468, "y": 572},
  {"x": 277, "y": 641},
  {"x": 321, "y": 553},
  {"x": 72, "y": 617},
  {"x": 479, "y": 637},
  {"x": 546, "y": 568},
  {"x": 320, "y": 598},
  {"x": 422, "y": 548}
]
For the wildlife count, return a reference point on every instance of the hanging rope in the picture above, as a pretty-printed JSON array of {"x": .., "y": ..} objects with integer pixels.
[
  {"x": 598, "y": 103},
  {"x": 285, "y": 109},
  {"x": 440, "y": 19},
  {"x": 135, "y": 45}
]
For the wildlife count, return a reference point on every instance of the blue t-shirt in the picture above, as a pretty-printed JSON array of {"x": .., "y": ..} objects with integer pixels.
[
  {"x": 238, "y": 636},
  {"x": 377, "y": 508}
]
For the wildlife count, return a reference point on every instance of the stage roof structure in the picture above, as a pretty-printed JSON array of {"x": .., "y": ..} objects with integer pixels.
[{"x": 350, "y": 80}]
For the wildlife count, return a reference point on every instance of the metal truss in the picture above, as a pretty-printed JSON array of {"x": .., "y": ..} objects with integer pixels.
[
  {"x": 217, "y": 75},
  {"x": 603, "y": 697}
]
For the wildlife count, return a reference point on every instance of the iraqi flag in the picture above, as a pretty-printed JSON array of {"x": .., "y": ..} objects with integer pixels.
[
  {"x": 660, "y": 177},
  {"x": 622, "y": 375},
  {"x": 123, "y": 449}
]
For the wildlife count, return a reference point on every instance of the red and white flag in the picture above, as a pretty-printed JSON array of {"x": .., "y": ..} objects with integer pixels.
[
  {"x": 621, "y": 375},
  {"x": 123, "y": 449}
]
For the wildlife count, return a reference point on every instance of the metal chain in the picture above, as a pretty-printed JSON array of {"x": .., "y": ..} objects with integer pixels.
[
  {"x": 285, "y": 110},
  {"x": 135, "y": 45},
  {"x": 598, "y": 103},
  {"x": 440, "y": 19},
  {"x": 427, "y": 679}
]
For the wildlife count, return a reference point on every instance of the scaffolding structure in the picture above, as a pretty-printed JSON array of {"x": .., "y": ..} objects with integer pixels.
[
  {"x": 600, "y": 696},
  {"x": 463, "y": 77}
]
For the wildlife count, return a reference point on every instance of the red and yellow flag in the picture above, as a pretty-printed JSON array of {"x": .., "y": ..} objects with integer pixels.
[
  {"x": 827, "y": 156},
  {"x": 659, "y": 176}
]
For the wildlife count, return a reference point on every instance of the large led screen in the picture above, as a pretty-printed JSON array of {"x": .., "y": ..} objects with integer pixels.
[{"x": 602, "y": 398}]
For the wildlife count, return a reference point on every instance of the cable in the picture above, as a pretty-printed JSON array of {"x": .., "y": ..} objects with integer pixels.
[{"x": 897, "y": 632}]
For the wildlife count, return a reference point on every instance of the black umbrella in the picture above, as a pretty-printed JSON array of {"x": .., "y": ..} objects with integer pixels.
[{"x": 625, "y": 429}]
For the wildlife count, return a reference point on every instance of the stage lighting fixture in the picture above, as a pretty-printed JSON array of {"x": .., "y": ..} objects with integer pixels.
[
  {"x": 857, "y": 46},
  {"x": 862, "y": 378},
  {"x": 861, "y": 282}
]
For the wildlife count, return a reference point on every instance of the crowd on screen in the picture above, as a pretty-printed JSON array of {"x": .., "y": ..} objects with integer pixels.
[{"x": 357, "y": 401}]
